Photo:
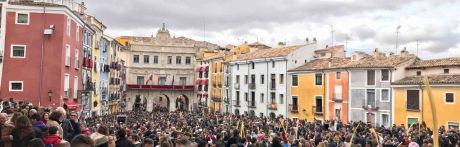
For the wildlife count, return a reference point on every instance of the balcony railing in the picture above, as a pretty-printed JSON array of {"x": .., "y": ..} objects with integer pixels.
[
  {"x": 252, "y": 104},
  {"x": 272, "y": 86},
  {"x": 294, "y": 108},
  {"x": 162, "y": 87},
  {"x": 371, "y": 106},
  {"x": 236, "y": 103},
  {"x": 216, "y": 98},
  {"x": 335, "y": 99},
  {"x": 252, "y": 86},
  {"x": 272, "y": 106}
]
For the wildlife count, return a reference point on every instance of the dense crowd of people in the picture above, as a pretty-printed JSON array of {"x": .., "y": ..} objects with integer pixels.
[{"x": 23, "y": 125}]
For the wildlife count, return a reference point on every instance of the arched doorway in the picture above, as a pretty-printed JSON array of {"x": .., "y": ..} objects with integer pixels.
[
  {"x": 272, "y": 115},
  {"x": 137, "y": 103},
  {"x": 163, "y": 101},
  {"x": 182, "y": 103},
  {"x": 237, "y": 112}
]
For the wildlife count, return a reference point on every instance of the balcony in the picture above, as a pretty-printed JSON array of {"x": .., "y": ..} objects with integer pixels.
[
  {"x": 216, "y": 98},
  {"x": 236, "y": 103},
  {"x": 161, "y": 87},
  {"x": 252, "y": 86},
  {"x": 237, "y": 85},
  {"x": 252, "y": 104},
  {"x": 337, "y": 100},
  {"x": 272, "y": 106},
  {"x": 294, "y": 108},
  {"x": 273, "y": 86},
  {"x": 317, "y": 111},
  {"x": 366, "y": 106}
]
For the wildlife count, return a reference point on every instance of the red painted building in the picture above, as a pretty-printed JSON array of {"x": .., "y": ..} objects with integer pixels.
[{"x": 42, "y": 56}]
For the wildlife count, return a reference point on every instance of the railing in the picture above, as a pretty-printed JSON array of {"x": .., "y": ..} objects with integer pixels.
[
  {"x": 317, "y": 111},
  {"x": 412, "y": 107},
  {"x": 294, "y": 108},
  {"x": 161, "y": 87},
  {"x": 216, "y": 98},
  {"x": 236, "y": 103},
  {"x": 252, "y": 104},
  {"x": 252, "y": 86},
  {"x": 71, "y": 4},
  {"x": 272, "y": 106},
  {"x": 371, "y": 106},
  {"x": 335, "y": 99}
]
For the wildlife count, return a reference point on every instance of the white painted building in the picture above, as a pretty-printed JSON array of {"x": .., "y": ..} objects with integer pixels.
[{"x": 259, "y": 85}]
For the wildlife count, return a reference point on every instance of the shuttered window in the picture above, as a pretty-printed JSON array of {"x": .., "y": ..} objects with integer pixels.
[{"x": 413, "y": 100}]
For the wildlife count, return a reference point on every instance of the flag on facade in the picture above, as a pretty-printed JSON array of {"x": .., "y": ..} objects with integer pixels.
[
  {"x": 172, "y": 83},
  {"x": 150, "y": 78}
]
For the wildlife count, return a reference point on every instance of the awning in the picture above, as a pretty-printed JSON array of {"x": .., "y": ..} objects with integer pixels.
[{"x": 72, "y": 105}]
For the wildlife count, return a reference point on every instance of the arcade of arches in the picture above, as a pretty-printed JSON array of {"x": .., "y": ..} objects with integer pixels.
[{"x": 145, "y": 101}]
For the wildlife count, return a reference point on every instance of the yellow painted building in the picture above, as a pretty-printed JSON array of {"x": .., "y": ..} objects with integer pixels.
[
  {"x": 217, "y": 77},
  {"x": 308, "y": 91},
  {"x": 412, "y": 102}
]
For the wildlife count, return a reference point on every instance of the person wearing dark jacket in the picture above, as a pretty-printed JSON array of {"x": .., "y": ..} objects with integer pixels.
[
  {"x": 22, "y": 132},
  {"x": 76, "y": 128},
  {"x": 122, "y": 141},
  {"x": 39, "y": 127}
]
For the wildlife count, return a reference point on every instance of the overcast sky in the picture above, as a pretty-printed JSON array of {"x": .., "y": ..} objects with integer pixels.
[{"x": 367, "y": 24}]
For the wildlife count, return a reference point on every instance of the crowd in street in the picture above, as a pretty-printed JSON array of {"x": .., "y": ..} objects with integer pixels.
[{"x": 23, "y": 125}]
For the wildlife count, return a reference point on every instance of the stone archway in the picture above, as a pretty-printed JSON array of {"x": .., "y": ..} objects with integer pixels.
[
  {"x": 164, "y": 101},
  {"x": 182, "y": 103}
]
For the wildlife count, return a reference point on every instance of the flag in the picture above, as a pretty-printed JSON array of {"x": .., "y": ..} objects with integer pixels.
[
  {"x": 375, "y": 134},
  {"x": 150, "y": 78},
  {"x": 172, "y": 83},
  {"x": 242, "y": 131}
]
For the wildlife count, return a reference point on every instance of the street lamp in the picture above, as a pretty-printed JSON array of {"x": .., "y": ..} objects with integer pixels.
[{"x": 50, "y": 93}]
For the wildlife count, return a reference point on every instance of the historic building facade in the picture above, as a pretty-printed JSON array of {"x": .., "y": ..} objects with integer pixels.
[{"x": 161, "y": 71}]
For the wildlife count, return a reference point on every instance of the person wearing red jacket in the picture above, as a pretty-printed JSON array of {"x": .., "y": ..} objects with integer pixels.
[{"x": 52, "y": 137}]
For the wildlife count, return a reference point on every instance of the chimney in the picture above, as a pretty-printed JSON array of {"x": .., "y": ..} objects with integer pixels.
[
  {"x": 404, "y": 52},
  {"x": 378, "y": 54},
  {"x": 281, "y": 44}
]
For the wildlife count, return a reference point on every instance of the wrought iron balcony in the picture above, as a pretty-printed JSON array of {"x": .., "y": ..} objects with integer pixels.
[
  {"x": 272, "y": 106},
  {"x": 294, "y": 108},
  {"x": 252, "y": 86}
]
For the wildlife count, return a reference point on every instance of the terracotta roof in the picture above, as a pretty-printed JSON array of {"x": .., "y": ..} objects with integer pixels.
[
  {"x": 329, "y": 48},
  {"x": 320, "y": 64},
  {"x": 380, "y": 62},
  {"x": 269, "y": 53},
  {"x": 434, "y": 80},
  {"x": 454, "y": 61}
]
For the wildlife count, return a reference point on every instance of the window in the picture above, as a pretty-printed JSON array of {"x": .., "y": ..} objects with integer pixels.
[
  {"x": 272, "y": 98},
  {"x": 163, "y": 82},
  {"x": 453, "y": 125},
  {"x": 245, "y": 79},
  {"x": 67, "y": 55},
  {"x": 385, "y": 120},
  {"x": 318, "y": 79},
  {"x": 419, "y": 73},
  {"x": 77, "y": 62},
  {"x": 371, "y": 98},
  {"x": 237, "y": 98},
  {"x": 412, "y": 121},
  {"x": 146, "y": 59},
  {"x": 385, "y": 95},
  {"x": 22, "y": 18},
  {"x": 136, "y": 58},
  {"x": 450, "y": 98},
  {"x": 66, "y": 85},
  {"x": 281, "y": 78},
  {"x": 413, "y": 99},
  {"x": 262, "y": 79},
  {"x": 75, "y": 87},
  {"x": 237, "y": 67},
  {"x": 273, "y": 64},
  {"x": 385, "y": 75},
  {"x": 273, "y": 81},
  {"x": 68, "y": 26},
  {"x": 319, "y": 104},
  {"x": 16, "y": 85},
  {"x": 169, "y": 59},
  {"x": 338, "y": 75},
  {"x": 281, "y": 98},
  {"x": 183, "y": 80},
  {"x": 178, "y": 60},
  {"x": 140, "y": 80},
  {"x": 77, "y": 33},
  {"x": 188, "y": 60},
  {"x": 252, "y": 65},
  {"x": 446, "y": 71},
  {"x": 294, "y": 102},
  {"x": 338, "y": 92},
  {"x": 155, "y": 59},
  {"x": 237, "y": 79},
  {"x": 295, "y": 80},
  {"x": 246, "y": 96},
  {"x": 18, "y": 51},
  {"x": 262, "y": 98},
  {"x": 370, "y": 77}
]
